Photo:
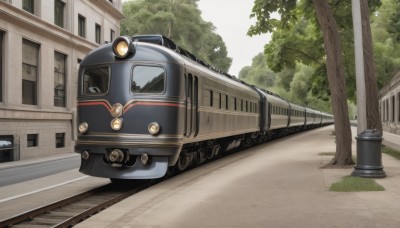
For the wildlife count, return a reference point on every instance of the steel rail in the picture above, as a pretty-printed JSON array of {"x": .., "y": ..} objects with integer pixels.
[{"x": 121, "y": 193}]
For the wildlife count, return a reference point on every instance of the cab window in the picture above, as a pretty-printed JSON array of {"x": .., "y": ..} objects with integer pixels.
[
  {"x": 96, "y": 80},
  {"x": 148, "y": 79}
]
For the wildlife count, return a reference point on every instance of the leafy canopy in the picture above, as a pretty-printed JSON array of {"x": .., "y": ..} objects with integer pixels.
[
  {"x": 179, "y": 20},
  {"x": 386, "y": 36},
  {"x": 297, "y": 38}
]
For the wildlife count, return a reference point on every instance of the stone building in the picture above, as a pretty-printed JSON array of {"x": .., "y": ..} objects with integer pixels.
[
  {"x": 41, "y": 45},
  {"x": 389, "y": 105}
]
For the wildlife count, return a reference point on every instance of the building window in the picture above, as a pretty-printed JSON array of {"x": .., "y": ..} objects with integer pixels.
[
  {"x": 7, "y": 148},
  {"x": 30, "y": 56},
  {"x": 112, "y": 35},
  {"x": 393, "y": 109},
  {"x": 60, "y": 140},
  {"x": 81, "y": 26},
  {"x": 59, "y": 13},
  {"x": 398, "y": 107},
  {"x": 28, "y": 5},
  {"x": 98, "y": 33},
  {"x": 32, "y": 140},
  {"x": 59, "y": 79},
  {"x": 1, "y": 66}
]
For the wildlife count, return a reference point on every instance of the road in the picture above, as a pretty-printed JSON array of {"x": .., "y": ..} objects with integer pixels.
[{"x": 27, "y": 172}]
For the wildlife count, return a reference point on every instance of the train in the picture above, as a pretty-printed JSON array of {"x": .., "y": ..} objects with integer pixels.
[{"x": 146, "y": 106}]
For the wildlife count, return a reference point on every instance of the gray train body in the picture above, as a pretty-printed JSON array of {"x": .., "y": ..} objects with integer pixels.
[{"x": 160, "y": 107}]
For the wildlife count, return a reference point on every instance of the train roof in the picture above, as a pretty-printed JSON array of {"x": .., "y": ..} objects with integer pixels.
[{"x": 157, "y": 48}]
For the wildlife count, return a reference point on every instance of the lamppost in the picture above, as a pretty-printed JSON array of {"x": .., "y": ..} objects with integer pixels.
[{"x": 369, "y": 141}]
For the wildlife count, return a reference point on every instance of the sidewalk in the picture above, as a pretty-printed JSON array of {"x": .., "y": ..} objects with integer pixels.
[
  {"x": 391, "y": 140},
  {"x": 278, "y": 184}
]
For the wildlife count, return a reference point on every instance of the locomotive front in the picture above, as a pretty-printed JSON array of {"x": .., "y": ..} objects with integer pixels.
[{"x": 129, "y": 110}]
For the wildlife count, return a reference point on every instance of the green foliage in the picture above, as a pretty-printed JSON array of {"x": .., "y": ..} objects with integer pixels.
[
  {"x": 392, "y": 152},
  {"x": 258, "y": 74},
  {"x": 291, "y": 84},
  {"x": 298, "y": 44},
  {"x": 386, "y": 36},
  {"x": 356, "y": 184},
  {"x": 300, "y": 85},
  {"x": 262, "y": 11},
  {"x": 179, "y": 20},
  {"x": 297, "y": 38},
  {"x": 327, "y": 154},
  {"x": 284, "y": 78}
]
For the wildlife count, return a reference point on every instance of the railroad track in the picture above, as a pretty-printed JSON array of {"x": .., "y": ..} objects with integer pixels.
[{"x": 72, "y": 210}]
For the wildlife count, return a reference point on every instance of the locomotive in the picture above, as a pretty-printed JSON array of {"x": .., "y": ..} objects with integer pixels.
[{"x": 145, "y": 104}]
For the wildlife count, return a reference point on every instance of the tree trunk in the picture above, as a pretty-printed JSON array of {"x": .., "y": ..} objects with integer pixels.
[
  {"x": 371, "y": 87},
  {"x": 337, "y": 83}
]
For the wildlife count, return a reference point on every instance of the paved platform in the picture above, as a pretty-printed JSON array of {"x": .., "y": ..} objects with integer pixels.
[{"x": 279, "y": 184}]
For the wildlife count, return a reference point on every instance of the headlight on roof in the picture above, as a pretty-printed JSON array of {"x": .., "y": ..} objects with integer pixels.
[{"x": 123, "y": 46}]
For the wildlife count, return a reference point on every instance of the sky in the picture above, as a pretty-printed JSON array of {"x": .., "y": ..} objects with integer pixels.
[{"x": 232, "y": 20}]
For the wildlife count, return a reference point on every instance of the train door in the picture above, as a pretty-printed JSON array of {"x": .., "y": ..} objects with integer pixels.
[
  {"x": 289, "y": 114},
  {"x": 269, "y": 115},
  {"x": 195, "y": 106},
  {"x": 191, "y": 111}
]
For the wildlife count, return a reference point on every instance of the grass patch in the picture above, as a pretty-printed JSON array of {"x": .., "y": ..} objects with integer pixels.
[
  {"x": 356, "y": 184},
  {"x": 392, "y": 152},
  {"x": 327, "y": 154}
]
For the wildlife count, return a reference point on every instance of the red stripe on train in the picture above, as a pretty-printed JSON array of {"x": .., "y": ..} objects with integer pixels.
[{"x": 95, "y": 103}]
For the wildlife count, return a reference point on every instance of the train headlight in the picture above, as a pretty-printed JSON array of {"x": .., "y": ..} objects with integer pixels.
[
  {"x": 85, "y": 155},
  {"x": 117, "y": 110},
  {"x": 122, "y": 46},
  {"x": 116, "y": 124},
  {"x": 83, "y": 127},
  {"x": 154, "y": 128}
]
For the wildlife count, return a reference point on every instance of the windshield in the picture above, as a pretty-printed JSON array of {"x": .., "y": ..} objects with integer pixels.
[
  {"x": 95, "y": 80},
  {"x": 148, "y": 79}
]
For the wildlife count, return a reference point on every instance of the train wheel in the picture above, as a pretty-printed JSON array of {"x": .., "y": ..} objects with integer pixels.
[
  {"x": 200, "y": 157},
  {"x": 214, "y": 153},
  {"x": 183, "y": 162},
  {"x": 171, "y": 171},
  {"x": 210, "y": 154}
]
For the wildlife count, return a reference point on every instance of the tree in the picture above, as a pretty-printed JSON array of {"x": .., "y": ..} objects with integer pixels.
[
  {"x": 289, "y": 16},
  {"x": 337, "y": 82},
  {"x": 258, "y": 74},
  {"x": 300, "y": 84},
  {"x": 179, "y": 20},
  {"x": 284, "y": 78}
]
